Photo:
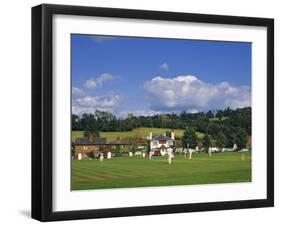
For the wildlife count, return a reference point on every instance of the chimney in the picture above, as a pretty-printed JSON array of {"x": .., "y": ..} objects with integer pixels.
[
  {"x": 150, "y": 135},
  {"x": 172, "y": 135}
]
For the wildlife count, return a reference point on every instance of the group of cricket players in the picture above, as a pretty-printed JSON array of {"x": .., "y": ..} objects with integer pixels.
[{"x": 170, "y": 154}]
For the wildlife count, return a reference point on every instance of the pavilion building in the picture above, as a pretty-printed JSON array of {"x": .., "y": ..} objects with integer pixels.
[{"x": 159, "y": 143}]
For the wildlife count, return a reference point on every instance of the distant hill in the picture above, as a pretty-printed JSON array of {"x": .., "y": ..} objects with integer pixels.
[{"x": 143, "y": 132}]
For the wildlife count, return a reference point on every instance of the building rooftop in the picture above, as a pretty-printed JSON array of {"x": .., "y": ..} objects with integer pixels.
[
  {"x": 161, "y": 137},
  {"x": 86, "y": 141},
  {"x": 121, "y": 142}
]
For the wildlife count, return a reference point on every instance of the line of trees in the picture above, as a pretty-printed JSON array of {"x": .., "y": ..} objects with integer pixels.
[
  {"x": 222, "y": 128},
  {"x": 223, "y": 138}
]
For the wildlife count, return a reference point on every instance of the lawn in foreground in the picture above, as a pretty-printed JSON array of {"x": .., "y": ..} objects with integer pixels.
[{"x": 128, "y": 172}]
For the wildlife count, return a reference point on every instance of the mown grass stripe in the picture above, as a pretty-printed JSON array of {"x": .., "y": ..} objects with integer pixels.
[{"x": 128, "y": 172}]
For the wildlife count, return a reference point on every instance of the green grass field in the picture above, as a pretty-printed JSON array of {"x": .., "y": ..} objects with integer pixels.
[
  {"x": 128, "y": 172},
  {"x": 143, "y": 132}
]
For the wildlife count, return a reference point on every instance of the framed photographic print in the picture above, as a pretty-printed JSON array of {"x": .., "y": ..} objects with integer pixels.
[{"x": 145, "y": 112}]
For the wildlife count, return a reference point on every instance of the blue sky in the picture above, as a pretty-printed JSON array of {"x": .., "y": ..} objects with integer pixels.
[{"x": 151, "y": 75}]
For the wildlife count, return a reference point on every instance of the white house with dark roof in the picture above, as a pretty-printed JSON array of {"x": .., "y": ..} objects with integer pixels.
[{"x": 158, "y": 142}]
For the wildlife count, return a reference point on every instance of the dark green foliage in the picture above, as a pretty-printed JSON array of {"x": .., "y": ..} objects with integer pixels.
[
  {"x": 118, "y": 148},
  {"x": 221, "y": 140},
  {"x": 241, "y": 138},
  {"x": 168, "y": 133},
  {"x": 189, "y": 138},
  {"x": 91, "y": 155},
  {"x": 89, "y": 124},
  {"x": 209, "y": 114},
  {"x": 225, "y": 127},
  {"x": 229, "y": 133},
  {"x": 90, "y": 134},
  {"x": 213, "y": 128},
  {"x": 76, "y": 123},
  {"x": 72, "y": 149},
  {"x": 206, "y": 142}
]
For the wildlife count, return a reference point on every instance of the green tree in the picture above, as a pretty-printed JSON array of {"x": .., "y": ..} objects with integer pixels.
[
  {"x": 240, "y": 138},
  {"x": 76, "y": 124},
  {"x": 91, "y": 134},
  {"x": 209, "y": 114},
  {"x": 189, "y": 138},
  {"x": 221, "y": 140},
  {"x": 213, "y": 128},
  {"x": 118, "y": 149},
  {"x": 72, "y": 149},
  {"x": 168, "y": 133},
  {"x": 206, "y": 142},
  {"x": 226, "y": 121},
  {"x": 89, "y": 123},
  {"x": 104, "y": 120},
  {"x": 91, "y": 155},
  {"x": 133, "y": 142}
]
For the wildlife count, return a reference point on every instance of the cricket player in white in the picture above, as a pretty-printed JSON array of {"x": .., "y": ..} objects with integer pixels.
[
  {"x": 170, "y": 153},
  {"x": 101, "y": 157},
  {"x": 210, "y": 152},
  {"x": 150, "y": 155}
]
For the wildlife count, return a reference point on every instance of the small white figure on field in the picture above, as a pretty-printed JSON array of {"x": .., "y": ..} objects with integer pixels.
[
  {"x": 185, "y": 152},
  {"x": 210, "y": 152},
  {"x": 150, "y": 155},
  {"x": 162, "y": 151},
  {"x": 130, "y": 154},
  {"x": 190, "y": 153},
  {"x": 101, "y": 157},
  {"x": 243, "y": 153},
  {"x": 196, "y": 149},
  {"x": 109, "y": 155},
  {"x": 170, "y": 154},
  {"x": 143, "y": 154},
  {"x": 79, "y": 156},
  {"x": 179, "y": 150},
  {"x": 138, "y": 153}
]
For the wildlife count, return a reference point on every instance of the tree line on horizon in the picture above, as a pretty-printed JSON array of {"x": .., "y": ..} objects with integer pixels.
[{"x": 221, "y": 128}]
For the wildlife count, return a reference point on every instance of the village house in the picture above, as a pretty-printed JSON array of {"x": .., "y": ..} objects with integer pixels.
[
  {"x": 159, "y": 143},
  {"x": 84, "y": 146},
  {"x": 119, "y": 144}
]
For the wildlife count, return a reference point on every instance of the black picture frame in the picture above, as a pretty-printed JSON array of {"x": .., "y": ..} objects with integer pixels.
[{"x": 42, "y": 111}]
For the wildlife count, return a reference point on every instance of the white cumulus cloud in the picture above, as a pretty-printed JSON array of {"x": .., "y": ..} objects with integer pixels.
[
  {"x": 99, "y": 81},
  {"x": 124, "y": 114},
  {"x": 187, "y": 92},
  {"x": 77, "y": 92},
  {"x": 89, "y": 104},
  {"x": 98, "y": 101},
  {"x": 164, "y": 66}
]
